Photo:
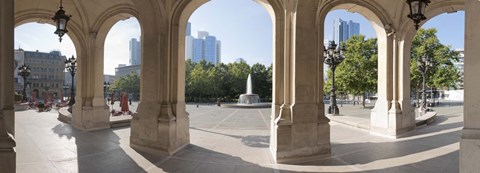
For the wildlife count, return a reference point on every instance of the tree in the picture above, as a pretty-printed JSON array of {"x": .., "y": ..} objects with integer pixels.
[
  {"x": 129, "y": 83},
  {"x": 261, "y": 81},
  {"x": 357, "y": 74},
  {"x": 238, "y": 72},
  {"x": 442, "y": 73}
]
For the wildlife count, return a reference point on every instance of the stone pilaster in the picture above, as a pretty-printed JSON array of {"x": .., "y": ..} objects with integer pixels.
[
  {"x": 301, "y": 131},
  {"x": 161, "y": 124},
  {"x": 90, "y": 111},
  {"x": 470, "y": 140},
  {"x": 381, "y": 116},
  {"x": 7, "y": 120}
]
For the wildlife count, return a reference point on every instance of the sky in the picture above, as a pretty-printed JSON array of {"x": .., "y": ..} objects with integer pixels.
[{"x": 243, "y": 26}]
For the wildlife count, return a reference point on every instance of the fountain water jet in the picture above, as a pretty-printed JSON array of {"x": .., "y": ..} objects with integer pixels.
[
  {"x": 248, "y": 100},
  {"x": 249, "y": 97}
]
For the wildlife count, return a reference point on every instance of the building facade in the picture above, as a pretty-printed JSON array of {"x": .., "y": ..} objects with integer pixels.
[
  {"x": 204, "y": 46},
  {"x": 122, "y": 71},
  {"x": 135, "y": 50},
  {"x": 47, "y": 73},
  {"x": 460, "y": 67},
  {"x": 210, "y": 49},
  {"x": 343, "y": 30}
]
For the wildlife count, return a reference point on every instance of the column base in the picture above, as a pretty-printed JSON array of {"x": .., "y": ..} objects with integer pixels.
[
  {"x": 391, "y": 122},
  {"x": 469, "y": 152},
  {"x": 91, "y": 118},
  {"x": 296, "y": 143},
  {"x": 155, "y": 129},
  {"x": 8, "y": 161}
]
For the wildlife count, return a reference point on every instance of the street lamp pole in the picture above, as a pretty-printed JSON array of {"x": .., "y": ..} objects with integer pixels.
[
  {"x": 333, "y": 56},
  {"x": 106, "y": 85},
  {"x": 423, "y": 64},
  {"x": 24, "y": 71},
  {"x": 71, "y": 66}
]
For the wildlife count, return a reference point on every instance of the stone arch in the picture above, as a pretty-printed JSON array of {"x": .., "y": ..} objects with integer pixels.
[
  {"x": 44, "y": 16},
  {"x": 180, "y": 18},
  {"x": 433, "y": 10},
  {"x": 407, "y": 33},
  {"x": 387, "y": 113},
  {"x": 108, "y": 18},
  {"x": 97, "y": 36}
]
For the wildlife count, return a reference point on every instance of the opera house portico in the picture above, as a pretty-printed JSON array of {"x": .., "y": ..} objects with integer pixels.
[{"x": 299, "y": 128}]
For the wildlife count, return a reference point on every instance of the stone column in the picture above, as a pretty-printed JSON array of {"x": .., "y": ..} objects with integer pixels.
[
  {"x": 405, "y": 121},
  {"x": 470, "y": 140},
  {"x": 90, "y": 111},
  {"x": 381, "y": 123},
  {"x": 161, "y": 124},
  {"x": 301, "y": 131},
  {"x": 399, "y": 117},
  {"x": 7, "y": 124}
]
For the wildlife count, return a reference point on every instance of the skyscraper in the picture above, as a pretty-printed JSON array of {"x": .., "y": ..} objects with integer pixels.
[
  {"x": 189, "y": 46},
  {"x": 219, "y": 52},
  {"x": 135, "y": 49},
  {"x": 189, "y": 29},
  {"x": 205, "y": 46},
  {"x": 343, "y": 30},
  {"x": 210, "y": 51},
  {"x": 202, "y": 34},
  {"x": 198, "y": 49}
]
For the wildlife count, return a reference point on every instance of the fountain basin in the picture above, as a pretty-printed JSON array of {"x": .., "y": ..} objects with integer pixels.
[{"x": 256, "y": 105}]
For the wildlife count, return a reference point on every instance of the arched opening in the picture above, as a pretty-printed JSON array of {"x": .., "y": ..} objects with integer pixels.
[
  {"x": 37, "y": 47},
  {"x": 48, "y": 89},
  {"x": 356, "y": 76},
  {"x": 122, "y": 67},
  {"x": 378, "y": 120},
  {"x": 246, "y": 43}
]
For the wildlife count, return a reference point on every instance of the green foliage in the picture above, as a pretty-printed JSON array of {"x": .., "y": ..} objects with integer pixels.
[
  {"x": 129, "y": 83},
  {"x": 18, "y": 97},
  {"x": 206, "y": 82},
  {"x": 357, "y": 74},
  {"x": 442, "y": 73}
]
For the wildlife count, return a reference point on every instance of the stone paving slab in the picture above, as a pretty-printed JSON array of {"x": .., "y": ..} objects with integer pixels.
[{"x": 231, "y": 140}]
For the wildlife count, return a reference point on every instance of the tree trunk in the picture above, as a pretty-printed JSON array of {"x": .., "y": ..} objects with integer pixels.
[{"x": 363, "y": 100}]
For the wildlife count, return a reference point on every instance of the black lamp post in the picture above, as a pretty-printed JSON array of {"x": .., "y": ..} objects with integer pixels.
[
  {"x": 71, "y": 66},
  {"x": 24, "y": 71},
  {"x": 423, "y": 65},
  {"x": 61, "y": 19},
  {"x": 332, "y": 56},
  {"x": 417, "y": 10},
  {"x": 106, "y": 85}
]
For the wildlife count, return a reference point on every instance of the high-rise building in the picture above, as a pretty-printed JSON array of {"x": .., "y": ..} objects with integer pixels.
[
  {"x": 219, "y": 52},
  {"x": 202, "y": 34},
  {"x": 210, "y": 51},
  {"x": 198, "y": 47},
  {"x": 205, "y": 46},
  {"x": 189, "y": 47},
  {"x": 353, "y": 28},
  {"x": 343, "y": 30},
  {"x": 135, "y": 49},
  {"x": 189, "y": 29},
  {"x": 47, "y": 71}
]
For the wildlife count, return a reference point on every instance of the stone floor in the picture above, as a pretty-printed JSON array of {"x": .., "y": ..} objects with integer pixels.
[{"x": 225, "y": 140}]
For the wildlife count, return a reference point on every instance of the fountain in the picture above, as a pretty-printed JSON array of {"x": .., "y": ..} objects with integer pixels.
[
  {"x": 248, "y": 100},
  {"x": 249, "y": 97}
]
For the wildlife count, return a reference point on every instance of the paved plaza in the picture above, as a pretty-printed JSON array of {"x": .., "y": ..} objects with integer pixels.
[{"x": 226, "y": 140}]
